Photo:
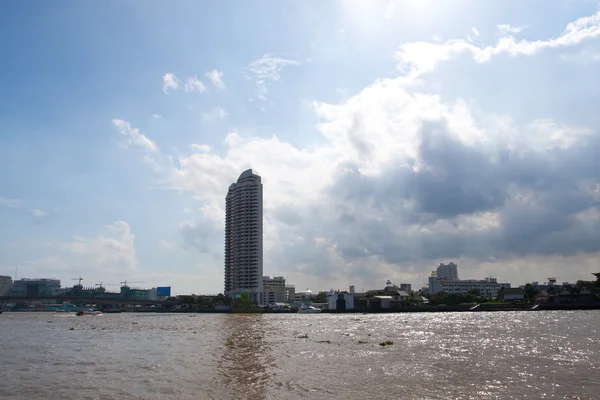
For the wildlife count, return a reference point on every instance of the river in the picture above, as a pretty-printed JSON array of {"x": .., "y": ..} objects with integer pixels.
[{"x": 479, "y": 355}]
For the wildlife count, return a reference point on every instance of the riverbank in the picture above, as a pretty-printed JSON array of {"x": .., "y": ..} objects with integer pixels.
[{"x": 414, "y": 309}]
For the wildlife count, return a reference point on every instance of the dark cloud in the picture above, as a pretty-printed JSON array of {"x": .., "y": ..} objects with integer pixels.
[{"x": 535, "y": 195}]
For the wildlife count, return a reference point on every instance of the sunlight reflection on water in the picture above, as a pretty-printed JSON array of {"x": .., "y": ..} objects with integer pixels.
[{"x": 507, "y": 355}]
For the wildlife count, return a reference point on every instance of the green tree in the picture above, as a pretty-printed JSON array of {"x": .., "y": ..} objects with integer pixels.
[
  {"x": 412, "y": 301},
  {"x": 530, "y": 292},
  {"x": 362, "y": 302},
  {"x": 321, "y": 297},
  {"x": 597, "y": 275}
]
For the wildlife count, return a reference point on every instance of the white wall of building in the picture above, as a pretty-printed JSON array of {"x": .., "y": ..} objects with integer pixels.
[{"x": 348, "y": 298}]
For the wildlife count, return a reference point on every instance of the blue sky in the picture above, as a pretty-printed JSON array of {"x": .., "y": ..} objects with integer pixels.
[{"x": 390, "y": 135}]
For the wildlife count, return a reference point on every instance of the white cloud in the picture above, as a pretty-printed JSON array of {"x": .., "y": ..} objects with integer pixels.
[
  {"x": 169, "y": 82},
  {"x": 115, "y": 250},
  {"x": 166, "y": 245},
  {"x": 157, "y": 116},
  {"x": 216, "y": 78},
  {"x": 475, "y": 31},
  {"x": 506, "y": 29},
  {"x": 36, "y": 212},
  {"x": 133, "y": 137},
  {"x": 193, "y": 84},
  {"x": 301, "y": 196},
  {"x": 268, "y": 69},
  {"x": 8, "y": 202},
  {"x": 202, "y": 148},
  {"x": 339, "y": 209},
  {"x": 215, "y": 113},
  {"x": 418, "y": 58}
]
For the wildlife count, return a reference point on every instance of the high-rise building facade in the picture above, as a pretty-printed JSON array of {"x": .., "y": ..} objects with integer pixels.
[
  {"x": 5, "y": 285},
  {"x": 36, "y": 287},
  {"x": 244, "y": 238},
  {"x": 447, "y": 271}
]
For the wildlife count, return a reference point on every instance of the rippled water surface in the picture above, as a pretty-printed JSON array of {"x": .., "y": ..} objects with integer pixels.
[{"x": 503, "y": 355}]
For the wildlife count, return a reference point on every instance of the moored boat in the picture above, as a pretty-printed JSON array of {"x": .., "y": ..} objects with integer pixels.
[
  {"x": 309, "y": 310},
  {"x": 88, "y": 312}
]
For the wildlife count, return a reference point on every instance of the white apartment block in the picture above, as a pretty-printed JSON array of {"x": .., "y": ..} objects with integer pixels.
[
  {"x": 447, "y": 271},
  {"x": 445, "y": 279},
  {"x": 489, "y": 287},
  {"x": 244, "y": 238}
]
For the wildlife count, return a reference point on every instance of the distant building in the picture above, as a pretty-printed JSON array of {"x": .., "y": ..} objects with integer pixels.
[
  {"x": 445, "y": 279},
  {"x": 5, "y": 285},
  {"x": 36, "y": 287},
  {"x": 513, "y": 294},
  {"x": 276, "y": 290},
  {"x": 447, "y": 271},
  {"x": 406, "y": 287},
  {"x": 394, "y": 300},
  {"x": 340, "y": 301},
  {"x": 489, "y": 287},
  {"x": 244, "y": 238},
  {"x": 303, "y": 295}
]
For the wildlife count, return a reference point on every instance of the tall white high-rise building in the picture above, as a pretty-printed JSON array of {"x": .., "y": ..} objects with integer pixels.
[
  {"x": 447, "y": 271},
  {"x": 244, "y": 238}
]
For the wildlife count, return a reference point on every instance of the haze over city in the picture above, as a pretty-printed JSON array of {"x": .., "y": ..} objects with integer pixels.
[{"x": 469, "y": 137}]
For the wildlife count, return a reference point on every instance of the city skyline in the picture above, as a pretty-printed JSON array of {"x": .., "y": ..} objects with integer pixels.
[{"x": 458, "y": 137}]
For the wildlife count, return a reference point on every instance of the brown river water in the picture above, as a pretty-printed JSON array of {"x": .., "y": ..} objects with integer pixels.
[{"x": 479, "y": 355}]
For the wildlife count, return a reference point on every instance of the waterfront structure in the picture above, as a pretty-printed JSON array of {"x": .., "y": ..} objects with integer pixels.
[
  {"x": 513, "y": 294},
  {"x": 394, "y": 300},
  {"x": 489, "y": 287},
  {"x": 244, "y": 238},
  {"x": 445, "y": 279},
  {"x": 340, "y": 301},
  {"x": 276, "y": 290},
  {"x": 5, "y": 285},
  {"x": 36, "y": 287}
]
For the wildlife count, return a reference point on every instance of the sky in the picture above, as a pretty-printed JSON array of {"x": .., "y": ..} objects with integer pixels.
[{"x": 390, "y": 136}]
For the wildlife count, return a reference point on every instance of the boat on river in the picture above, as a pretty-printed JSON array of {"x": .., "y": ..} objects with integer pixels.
[
  {"x": 88, "y": 312},
  {"x": 309, "y": 310}
]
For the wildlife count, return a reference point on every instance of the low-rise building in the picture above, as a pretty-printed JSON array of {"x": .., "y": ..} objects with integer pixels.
[
  {"x": 303, "y": 295},
  {"x": 340, "y": 301},
  {"x": 513, "y": 294},
  {"x": 394, "y": 300}
]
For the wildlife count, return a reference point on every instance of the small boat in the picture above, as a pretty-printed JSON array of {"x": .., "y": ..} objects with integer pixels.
[
  {"x": 309, "y": 310},
  {"x": 88, "y": 312}
]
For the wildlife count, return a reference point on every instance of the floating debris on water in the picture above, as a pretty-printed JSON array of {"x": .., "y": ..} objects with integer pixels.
[{"x": 386, "y": 343}]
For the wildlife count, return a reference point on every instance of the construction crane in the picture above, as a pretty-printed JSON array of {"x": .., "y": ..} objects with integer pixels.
[{"x": 78, "y": 279}]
